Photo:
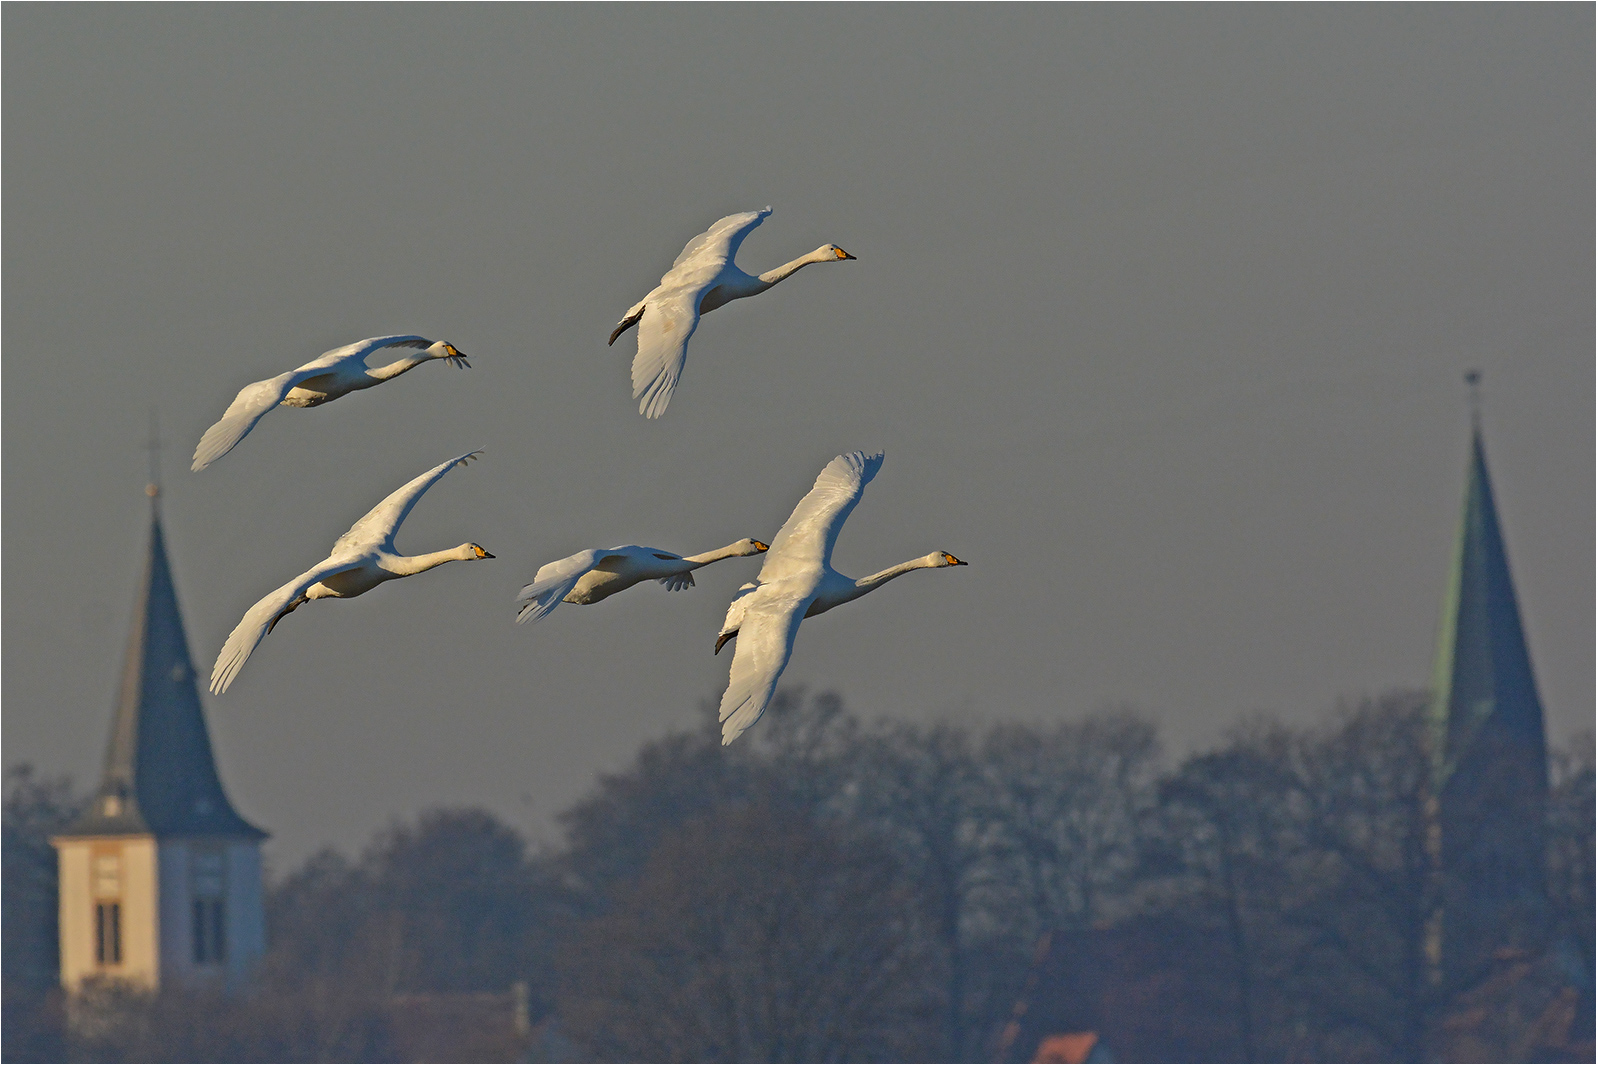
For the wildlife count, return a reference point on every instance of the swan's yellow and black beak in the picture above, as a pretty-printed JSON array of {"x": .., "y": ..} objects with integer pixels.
[
  {"x": 841, "y": 253},
  {"x": 481, "y": 552},
  {"x": 453, "y": 352},
  {"x": 761, "y": 545},
  {"x": 950, "y": 560}
]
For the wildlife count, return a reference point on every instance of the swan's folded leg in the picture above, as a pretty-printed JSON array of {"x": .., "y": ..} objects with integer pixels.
[{"x": 629, "y": 320}]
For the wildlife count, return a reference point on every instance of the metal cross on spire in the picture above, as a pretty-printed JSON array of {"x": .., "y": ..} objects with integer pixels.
[{"x": 153, "y": 488}]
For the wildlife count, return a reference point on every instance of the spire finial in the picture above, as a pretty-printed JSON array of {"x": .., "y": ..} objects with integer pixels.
[
  {"x": 153, "y": 489},
  {"x": 1473, "y": 382}
]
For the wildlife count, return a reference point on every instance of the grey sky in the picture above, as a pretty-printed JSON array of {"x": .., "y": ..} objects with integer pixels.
[{"x": 1159, "y": 316}]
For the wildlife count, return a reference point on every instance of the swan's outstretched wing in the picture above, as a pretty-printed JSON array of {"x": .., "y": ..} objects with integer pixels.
[
  {"x": 670, "y": 318},
  {"x": 766, "y": 634},
  {"x": 377, "y": 527},
  {"x": 554, "y": 582},
  {"x": 247, "y": 408},
  {"x": 259, "y": 620},
  {"x": 671, "y": 312},
  {"x": 720, "y": 242},
  {"x": 805, "y": 541}
]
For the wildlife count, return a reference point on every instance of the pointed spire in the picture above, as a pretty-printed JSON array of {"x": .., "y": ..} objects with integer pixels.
[
  {"x": 1483, "y": 669},
  {"x": 1489, "y": 754},
  {"x": 160, "y": 774}
]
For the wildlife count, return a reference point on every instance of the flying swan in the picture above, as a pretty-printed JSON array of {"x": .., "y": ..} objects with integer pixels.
[
  {"x": 362, "y": 559},
  {"x": 590, "y": 576},
  {"x": 701, "y": 279},
  {"x": 325, "y": 378},
  {"x": 798, "y": 581}
]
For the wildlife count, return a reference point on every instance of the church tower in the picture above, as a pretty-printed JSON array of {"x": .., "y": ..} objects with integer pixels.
[
  {"x": 1489, "y": 756},
  {"x": 160, "y": 879}
]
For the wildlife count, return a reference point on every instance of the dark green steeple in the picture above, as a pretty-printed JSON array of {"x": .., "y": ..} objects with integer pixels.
[
  {"x": 160, "y": 775},
  {"x": 1489, "y": 755}
]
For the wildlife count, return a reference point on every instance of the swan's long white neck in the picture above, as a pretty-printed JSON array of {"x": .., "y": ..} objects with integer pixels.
[
  {"x": 397, "y": 367},
  {"x": 406, "y": 565},
  {"x": 736, "y": 548},
  {"x": 771, "y": 277},
  {"x": 882, "y": 577}
]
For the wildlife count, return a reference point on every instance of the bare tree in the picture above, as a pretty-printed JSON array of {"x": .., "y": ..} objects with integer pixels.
[
  {"x": 800, "y": 757},
  {"x": 1067, "y": 802},
  {"x": 1359, "y": 882},
  {"x": 447, "y": 903},
  {"x": 923, "y": 790},
  {"x": 756, "y": 935},
  {"x": 1220, "y": 821}
]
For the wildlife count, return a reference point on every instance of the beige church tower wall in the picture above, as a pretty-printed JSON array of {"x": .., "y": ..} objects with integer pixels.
[
  {"x": 160, "y": 878},
  {"x": 108, "y": 911}
]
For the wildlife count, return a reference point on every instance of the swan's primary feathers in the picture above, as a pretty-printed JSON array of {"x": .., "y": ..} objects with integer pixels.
[
  {"x": 798, "y": 581},
  {"x": 362, "y": 559},
  {"x": 330, "y": 375},
  {"x": 701, "y": 279},
  {"x": 596, "y": 573}
]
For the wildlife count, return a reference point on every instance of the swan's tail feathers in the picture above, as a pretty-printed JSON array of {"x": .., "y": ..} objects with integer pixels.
[
  {"x": 678, "y": 582},
  {"x": 735, "y": 614}
]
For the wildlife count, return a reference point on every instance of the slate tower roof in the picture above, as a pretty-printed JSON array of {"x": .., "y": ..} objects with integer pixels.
[
  {"x": 1489, "y": 754},
  {"x": 160, "y": 774},
  {"x": 1483, "y": 678}
]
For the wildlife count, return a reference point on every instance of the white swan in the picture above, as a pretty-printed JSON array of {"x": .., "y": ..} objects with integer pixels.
[
  {"x": 701, "y": 279},
  {"x": 590, "y": 576},
  {"x": 327, "y": 377},
  {"x": 796, "y": 582},
  {"x": 362, "y": 559}
]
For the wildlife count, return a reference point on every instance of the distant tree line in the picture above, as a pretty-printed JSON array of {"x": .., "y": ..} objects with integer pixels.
[{"x": 832, "y": 890}]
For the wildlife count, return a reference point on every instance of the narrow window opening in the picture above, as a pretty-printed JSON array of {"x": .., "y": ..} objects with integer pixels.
[
  {"x": 208, "y": 914},
  {"x": 108, "y": 933},
  {"x": 209, "y": 922}
]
